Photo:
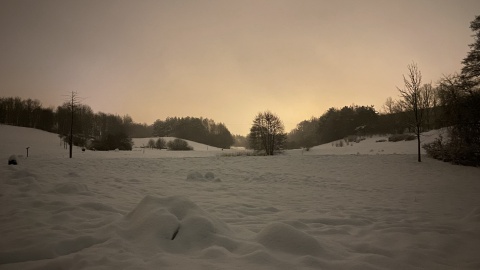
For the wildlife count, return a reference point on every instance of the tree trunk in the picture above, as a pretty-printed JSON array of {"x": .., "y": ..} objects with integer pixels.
[
  {"x": 71, "y": 127},
  {"x": 418, "y": 144},
  {"x": 71, "y": 135}
]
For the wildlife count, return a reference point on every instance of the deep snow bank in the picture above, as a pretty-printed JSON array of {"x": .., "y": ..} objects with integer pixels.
[{"x": 173, "y": 224}]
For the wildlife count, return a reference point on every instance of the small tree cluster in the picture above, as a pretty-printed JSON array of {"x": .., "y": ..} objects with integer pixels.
[
  {"x": 151, "y": 143},
  {"x": 118, "y": 141},
  {"x": 240, "y": 141},
  {"x": 200, "y": 130},
  {"x": 461, "y": 106},
  {"x": 334, "y": 124},
  {"x": 160, "y": 143},
  {"x": 179, "y": 145},
  {"x": 460, "y": 100}
]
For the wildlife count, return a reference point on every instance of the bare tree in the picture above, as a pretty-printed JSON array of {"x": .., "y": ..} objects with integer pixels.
[
  {"x": 389, "y": 106},
  {"x": 415, "y": 100},
  {"x": 267, "y": 133},
  {"x": 73, "y": 103}
]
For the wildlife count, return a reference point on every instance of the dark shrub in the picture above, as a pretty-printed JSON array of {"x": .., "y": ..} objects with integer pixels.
[
  {"x": 119, "y": 141},
  {"x": 12, "y": 160},
  {"x": 351, "y": 138},
  {"x": 454, "y": 151},
  {"x": 401, "y": 137},
  {"x": 151, "y": 143},
  {"x": 179, "y": 145},
  {"x": 410, "y": 137},
  {"x": 160, "y": 143}
]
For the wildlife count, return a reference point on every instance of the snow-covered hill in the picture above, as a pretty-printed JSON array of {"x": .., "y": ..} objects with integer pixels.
[
  {"x": 205, "y": 210},
  {"x": 140, "y": 142},
  {"x": 375, "y": 145},
  {"x": 15, "y": 140}
]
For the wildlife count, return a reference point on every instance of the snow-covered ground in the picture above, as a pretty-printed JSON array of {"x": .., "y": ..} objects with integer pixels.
[{"x": 351, "y": 207}]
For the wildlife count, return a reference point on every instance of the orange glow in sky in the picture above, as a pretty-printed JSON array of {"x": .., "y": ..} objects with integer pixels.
[{"x": 227, "y": 60}]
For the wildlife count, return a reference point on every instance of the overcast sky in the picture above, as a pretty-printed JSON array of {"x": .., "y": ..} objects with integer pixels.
[{"x": 226, "y": 60}]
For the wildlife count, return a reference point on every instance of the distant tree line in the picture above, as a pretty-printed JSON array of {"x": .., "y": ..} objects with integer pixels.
[
  {"x": 27, "y": 113},
  {"x": 98, "y": 131},
  {"x": 102, "y": 131},
  {"x": 201, "y": 130},
  {"x": 334, "y": 124},
  {"x": 240, "y": 141}
]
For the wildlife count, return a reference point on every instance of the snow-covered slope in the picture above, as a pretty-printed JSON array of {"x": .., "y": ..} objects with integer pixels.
[
  {"x": 159, "y": 210},
  {"x": 140, "y": 142},
  {"x": 374, "y": 145},
  {"x": 15, "y": 140}
]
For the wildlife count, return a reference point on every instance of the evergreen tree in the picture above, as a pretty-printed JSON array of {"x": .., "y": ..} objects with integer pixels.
[{"x": 471, "y": 63}]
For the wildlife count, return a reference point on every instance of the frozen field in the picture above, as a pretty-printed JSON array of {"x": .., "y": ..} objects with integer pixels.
[{"x": 352, "y": 207}]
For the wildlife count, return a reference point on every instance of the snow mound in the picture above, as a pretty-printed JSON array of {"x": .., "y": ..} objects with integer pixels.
[
  {"x": 70, "y": 188},
  {"x": 197, "y": 176},
  {"x": 49, "y": 249},
  {"x": 173, "y": 224},
  {"x": 209, "y": 175},
  {"x": 24, "y": 181},
  {"x": 283, "y": 237}
]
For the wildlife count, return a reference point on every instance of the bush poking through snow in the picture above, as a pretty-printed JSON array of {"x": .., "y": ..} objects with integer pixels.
[
  {"x": 12, "y": 160},
  {"x": 339, "y": 143},
  {"x": 401, "y": 137},
  {"x": 208, "y": 177},
  {"x": 454, "y": 152},
  {"x": 246, "y": 153},
  {"x": 179, "y": 145}
]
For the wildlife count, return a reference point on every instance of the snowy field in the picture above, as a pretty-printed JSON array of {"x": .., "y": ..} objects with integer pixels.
[{"x": 363, "y": 206}]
